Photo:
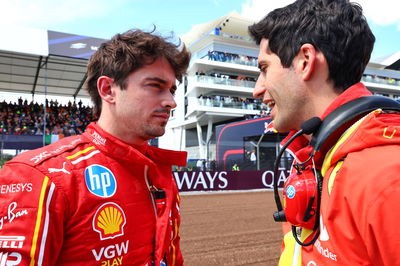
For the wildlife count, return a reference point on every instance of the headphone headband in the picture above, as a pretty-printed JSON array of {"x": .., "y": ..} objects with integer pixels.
[{"x": 337, "y": 122}]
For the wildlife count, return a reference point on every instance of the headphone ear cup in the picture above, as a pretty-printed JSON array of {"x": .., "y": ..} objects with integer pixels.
[
  {"x": 319, "y": 188},
  {"x": 300, "y": 199}
]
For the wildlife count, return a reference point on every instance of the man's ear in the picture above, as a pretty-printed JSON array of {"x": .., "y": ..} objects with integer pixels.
[
  {"x": 106, "y": 88},
  {"x": 307, "y": 57}
]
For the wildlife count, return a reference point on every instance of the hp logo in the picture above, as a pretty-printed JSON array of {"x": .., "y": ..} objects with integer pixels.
[{"x": 100, "y": 181}]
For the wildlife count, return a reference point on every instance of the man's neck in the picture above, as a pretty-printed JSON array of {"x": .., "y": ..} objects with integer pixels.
[{"x": 110, "y": 127}]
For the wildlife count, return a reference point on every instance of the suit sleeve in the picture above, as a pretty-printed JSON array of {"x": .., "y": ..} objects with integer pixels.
[
  {"x": 31, "y": 216},
  {"x": 380, "y": 228}
]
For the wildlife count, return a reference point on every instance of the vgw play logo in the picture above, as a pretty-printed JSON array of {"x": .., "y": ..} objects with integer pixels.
[{"x": 100, "y": 181}]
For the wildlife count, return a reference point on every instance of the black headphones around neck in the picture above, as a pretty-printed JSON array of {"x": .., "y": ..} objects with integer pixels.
[{"x": 302, "y": 190}]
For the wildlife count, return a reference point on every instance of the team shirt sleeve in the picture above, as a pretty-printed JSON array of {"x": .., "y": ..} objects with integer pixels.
[
  {"x": 32, "y": 214},
  {"x": 380, "y": 227}
]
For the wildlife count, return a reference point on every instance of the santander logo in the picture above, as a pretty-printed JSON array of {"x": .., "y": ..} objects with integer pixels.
[
  {"x": 323, "y": 236},
  {"x": 323, "y": 250}
]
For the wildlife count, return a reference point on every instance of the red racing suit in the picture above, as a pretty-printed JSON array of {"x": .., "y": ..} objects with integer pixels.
[
  {"x": 360, "y": 207},
  {"x": 90, "y": 199}
]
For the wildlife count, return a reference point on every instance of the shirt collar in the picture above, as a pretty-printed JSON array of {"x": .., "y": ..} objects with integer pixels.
[{"x": 120, "y": 150}]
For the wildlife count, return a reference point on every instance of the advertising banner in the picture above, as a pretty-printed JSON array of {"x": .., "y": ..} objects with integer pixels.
[
  {"x": 71, "y": 45},
  {"x": 228, "y": 180}
]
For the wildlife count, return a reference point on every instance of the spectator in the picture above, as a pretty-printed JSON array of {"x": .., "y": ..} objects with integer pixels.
[
  {"x": 235, "y": 167},
  {"x": 200, "y": 165},
  {"x": 253, "y": 157}
]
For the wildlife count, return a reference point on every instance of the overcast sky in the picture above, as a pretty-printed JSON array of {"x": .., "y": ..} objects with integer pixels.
[{"x": 104, "y": 18}]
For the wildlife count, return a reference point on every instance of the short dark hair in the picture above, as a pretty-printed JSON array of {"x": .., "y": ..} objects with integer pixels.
[
  {"x": 337, "y": 28},
  {"x": 130, "y": 51}
]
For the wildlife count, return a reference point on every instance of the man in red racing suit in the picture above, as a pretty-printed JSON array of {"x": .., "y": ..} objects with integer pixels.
[
  {"x": 104, "y": 197},
  {"x": 90, "y": 200}
]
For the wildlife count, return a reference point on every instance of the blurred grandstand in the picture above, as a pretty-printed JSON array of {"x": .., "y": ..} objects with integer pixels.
[
  {"x": 27, "y": 119},
  {"x": 42, "y": 66}
]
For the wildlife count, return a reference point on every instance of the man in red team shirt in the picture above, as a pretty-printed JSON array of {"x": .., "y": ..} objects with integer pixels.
[
  {"x": 312, "y": 57},
  {"x": 104, "y": 197}
]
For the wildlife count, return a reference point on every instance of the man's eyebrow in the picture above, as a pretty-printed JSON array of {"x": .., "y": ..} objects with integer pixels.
[
  {"x": 262, "y": 61},
  {"x": 160, "y": 80}
]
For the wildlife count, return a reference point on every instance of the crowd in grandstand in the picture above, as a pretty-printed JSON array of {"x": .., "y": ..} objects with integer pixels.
[
  {"x": 230, "y": 102},
  {"x": 23, "y": 118},
  {"x": 232, "y": 58},
  {"x": 263, "y": 113},
  {"x": 226, "y": 79},
  {"x": 383, "y": 80}
]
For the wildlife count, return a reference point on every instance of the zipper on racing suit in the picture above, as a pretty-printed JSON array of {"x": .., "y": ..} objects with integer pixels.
[
  {"x": 151, "y": 189},
  {"x": 158, "y": 197}
]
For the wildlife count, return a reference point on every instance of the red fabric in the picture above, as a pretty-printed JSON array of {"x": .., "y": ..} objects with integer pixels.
[
  {"x": 84, "y": 201},
  {"x": 359, "y": 207}
]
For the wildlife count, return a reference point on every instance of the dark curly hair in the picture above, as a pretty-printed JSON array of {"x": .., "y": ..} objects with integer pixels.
[
  {"x": 127, "y": 52},
  {"x": 337, "y": 28}
]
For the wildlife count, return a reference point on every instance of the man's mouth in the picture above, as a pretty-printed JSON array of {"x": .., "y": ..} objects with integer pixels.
[
  {"x": 271, "y": 104},
  {"x": 164, "y": 115}
]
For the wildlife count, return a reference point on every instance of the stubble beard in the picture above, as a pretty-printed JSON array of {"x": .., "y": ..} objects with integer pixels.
[
  {"x": 292, "y": 118},
  {"x": 287, "y": 120},
  {"x": 153, "y": 131}
]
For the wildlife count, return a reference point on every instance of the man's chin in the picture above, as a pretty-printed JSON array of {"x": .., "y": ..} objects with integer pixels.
[
  {"x": 154, "y": 133},
  {"x": 281, "y": 128}
]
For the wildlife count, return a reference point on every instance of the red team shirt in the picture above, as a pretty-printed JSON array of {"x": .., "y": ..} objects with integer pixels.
[{"x": 90, "y": 200}]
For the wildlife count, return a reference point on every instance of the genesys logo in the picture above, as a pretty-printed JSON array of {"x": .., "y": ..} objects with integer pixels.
[
  {"x": 10, "y": 258},
  {"x": 14, "y": 242},
  {"x": 15, "y": 188},
  {"x": 109, "y": 221},
  {"x": 100, "y": 181}
]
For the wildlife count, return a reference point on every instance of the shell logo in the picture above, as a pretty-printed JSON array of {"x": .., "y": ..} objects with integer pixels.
[{"x": 109, "y": 221}]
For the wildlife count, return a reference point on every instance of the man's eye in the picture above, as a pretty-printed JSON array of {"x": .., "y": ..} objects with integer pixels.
[{"x": 155, "y": 85}]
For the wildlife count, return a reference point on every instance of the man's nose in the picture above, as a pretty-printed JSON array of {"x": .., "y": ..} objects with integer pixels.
[
  {"x": 169, "y": 101},
  {"x": 259, "y": 89}
]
